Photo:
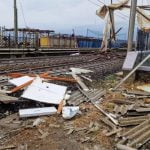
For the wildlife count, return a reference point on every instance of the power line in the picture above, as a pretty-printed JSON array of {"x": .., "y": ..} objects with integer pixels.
[
  {"x": 122, "y": 17},
  {"x": 101, "y": 2},
  {"x": 119, "y": 13},
  {"x": 23, "y": 13},
  {"x": 93, "y": 3}
]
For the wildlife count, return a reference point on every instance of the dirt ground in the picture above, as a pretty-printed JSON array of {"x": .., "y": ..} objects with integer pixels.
[
  {"x": 84, "y": 132},
  {"x": 58, "y": 134}
]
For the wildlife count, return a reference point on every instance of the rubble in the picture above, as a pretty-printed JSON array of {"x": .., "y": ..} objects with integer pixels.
[
  {"x": 122, "y": 116},
  {"x": 130, "y": 121},
  {"x": 7, "y": 147},
  {"x": 126, "y": 77},
  {"x": 137, "y": 136},
  {"x": 8, "y": 99},
  {"x": 37, "y": 122},
  {"x": 69, "y": 112},
  {"x": 77, "y": 97},
  {"x": 145, "y": 88}
]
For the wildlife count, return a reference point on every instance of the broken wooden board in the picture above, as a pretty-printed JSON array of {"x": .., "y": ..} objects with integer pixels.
[
  {"x": 79, "y": 81},
  {"x": 141, "y": 93},
  {"x": 7, "y": 147},
  {"x": 8, "y": 99}
]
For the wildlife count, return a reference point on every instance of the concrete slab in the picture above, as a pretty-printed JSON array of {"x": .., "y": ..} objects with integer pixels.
[
  {"x": 24, "y": 113},
  {"x": 130, "y": 61}
]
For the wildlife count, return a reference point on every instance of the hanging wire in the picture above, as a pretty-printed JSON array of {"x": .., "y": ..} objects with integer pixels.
[
  {"x": 25, "y": 22},
  {"x": 93, "y": 3},
  {"x": 119, "y": 13}
]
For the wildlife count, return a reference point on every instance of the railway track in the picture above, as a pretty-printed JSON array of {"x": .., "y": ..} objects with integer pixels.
[{"x": 102, "y": 62}]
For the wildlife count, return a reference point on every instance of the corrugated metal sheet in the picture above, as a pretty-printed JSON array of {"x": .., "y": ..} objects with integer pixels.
[{"x": 95, "y": 43}]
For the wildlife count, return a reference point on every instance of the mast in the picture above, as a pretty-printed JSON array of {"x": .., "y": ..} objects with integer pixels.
[
  {"x": 132, "y": 24},
  {"x": 112, "y": 16},
  {"x": 15, "y": 24}
]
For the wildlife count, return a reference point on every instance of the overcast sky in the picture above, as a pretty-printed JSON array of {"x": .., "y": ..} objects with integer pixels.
[{"x": 59, "y": 15}]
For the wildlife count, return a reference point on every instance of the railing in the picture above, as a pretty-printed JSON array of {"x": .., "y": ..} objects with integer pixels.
[
  {"x": 143, "y": 41},
  {"x": 8, "y": 42},
  {"x": 55, "y": 42}
]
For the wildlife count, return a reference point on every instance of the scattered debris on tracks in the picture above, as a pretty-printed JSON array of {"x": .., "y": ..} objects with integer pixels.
[{"x": 43, "y": 106}]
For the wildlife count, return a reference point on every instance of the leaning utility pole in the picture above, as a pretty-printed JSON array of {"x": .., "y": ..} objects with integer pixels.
[
  {"x": 15, "y": 24},
  {"x": 132, "y": 24},
  {"x": 112, "y": 16}
]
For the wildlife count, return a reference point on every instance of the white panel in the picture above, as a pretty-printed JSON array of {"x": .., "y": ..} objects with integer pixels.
[
  {"x": 21, "y": 80},
  {"x": 45, "y": 92},
  {"x": 130, "y": 60},
  {"x": 79, "y": 70},
  {"x": 37, "y": 112}
]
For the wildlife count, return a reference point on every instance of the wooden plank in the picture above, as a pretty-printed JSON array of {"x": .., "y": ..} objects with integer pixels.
[
  {"x": 7, "y": 99},
  {"x": 79, "y": 81},
  {"x": 20, "y": 87}
]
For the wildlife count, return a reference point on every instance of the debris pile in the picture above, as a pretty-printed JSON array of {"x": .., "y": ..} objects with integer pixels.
[
  {"x": 124, "y": 112},
  {"x": 133, "y": 114},
  {"x": 50, "y": 94}
]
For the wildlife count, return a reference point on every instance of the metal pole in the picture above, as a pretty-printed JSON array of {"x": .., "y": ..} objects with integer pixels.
[
  {"x": 132, "y": 24},
  {"x": 132, "y": 72},
  {"x": 111, "y": 31},
  {"x": 15, "y": 24}
]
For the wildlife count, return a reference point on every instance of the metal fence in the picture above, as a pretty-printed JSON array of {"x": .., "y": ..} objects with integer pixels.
[
  {"x": 46, "y": 39},
  {"x": 8, "y": 42},
  {"x": 143, "y": 40}
]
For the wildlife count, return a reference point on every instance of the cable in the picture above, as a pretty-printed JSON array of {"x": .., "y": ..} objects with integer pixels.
[
  {"x": 101, "y": 2},
  {"x": 122, "y": 17},
  {"x": 105, "y": 4},
  {"x": 93, "y": 3},
  {"x": 23, "y": 13}
]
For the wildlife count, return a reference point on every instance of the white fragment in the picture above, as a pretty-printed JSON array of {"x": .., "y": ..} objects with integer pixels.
[
  {"x": 67, "y": 97},
  {"x": 24, "y": 113},
  {"x": 69, "y": 112},
  {"x": 79, "y": 80},
  {"x": 21, "y": 80},
  {"x": 38, "y": 121},
  {"x": 79, "y": 71}
]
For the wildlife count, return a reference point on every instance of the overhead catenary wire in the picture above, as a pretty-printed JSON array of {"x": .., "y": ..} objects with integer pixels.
[
  {"x": 116, "y": 14},
  {"x": 119, "y": 13},
  {"x": 93, "y": 3},
  {"x": 23, "y": 15}
]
